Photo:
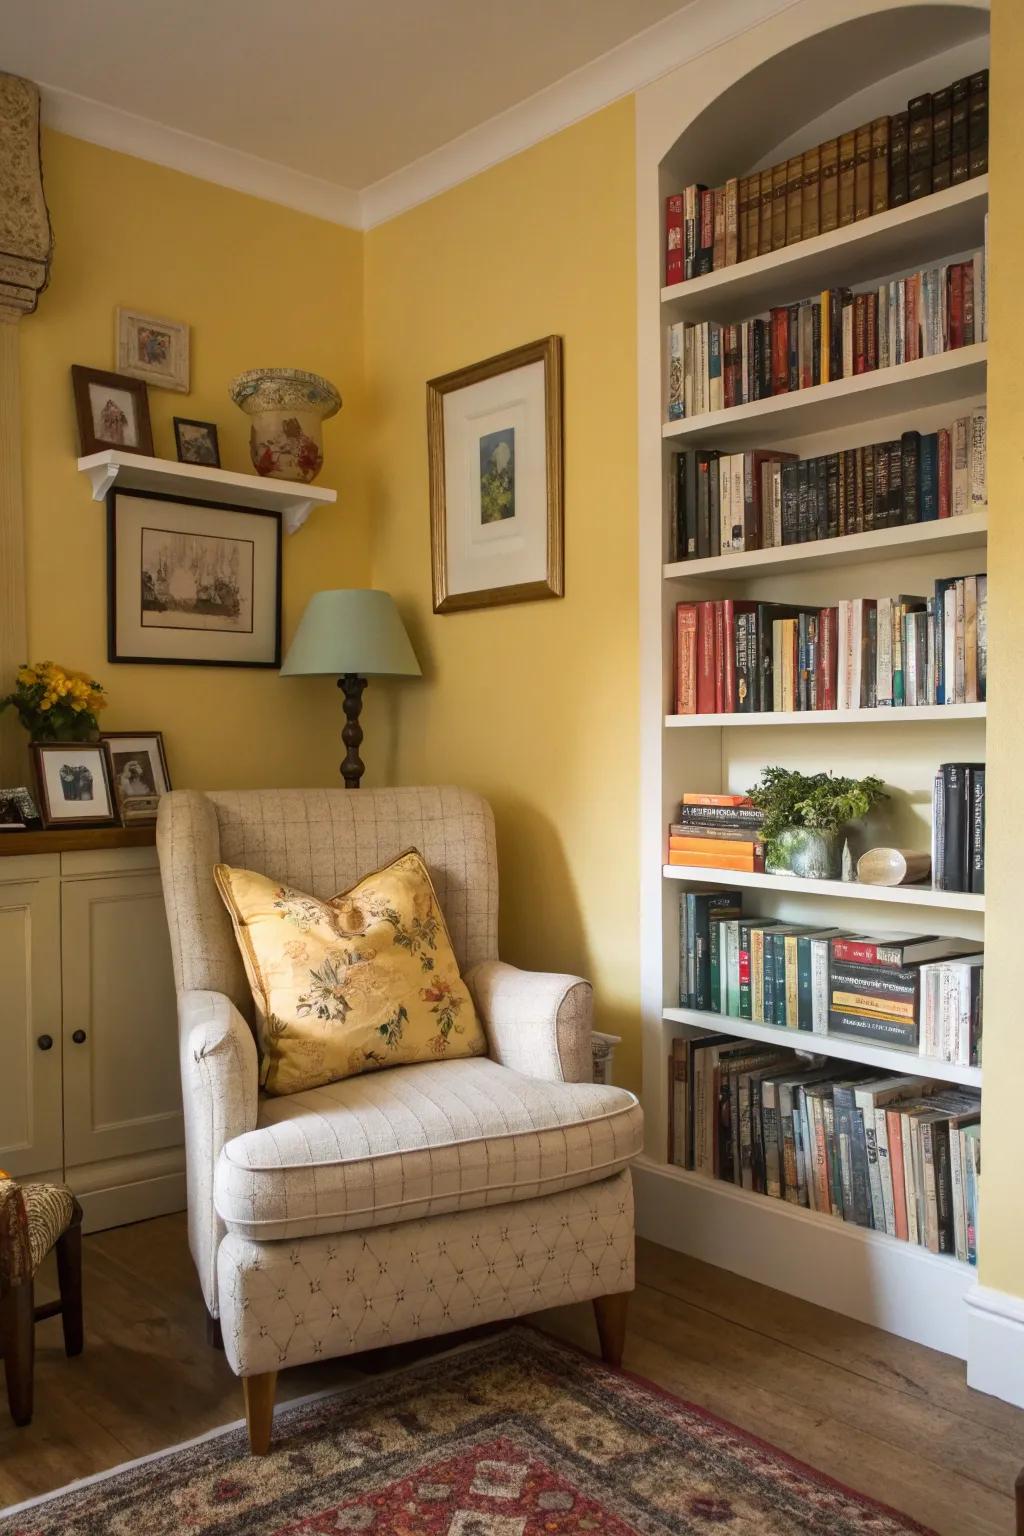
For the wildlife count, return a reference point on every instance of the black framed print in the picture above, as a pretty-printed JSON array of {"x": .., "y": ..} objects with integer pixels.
[
  {"x": 74, "y": 783},
  {"x": 192, "y": 583}
]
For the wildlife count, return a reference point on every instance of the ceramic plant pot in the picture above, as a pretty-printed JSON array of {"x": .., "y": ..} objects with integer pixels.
[
  {"x": 287, "y": 407},
  {"x": 808, "y": 853}
]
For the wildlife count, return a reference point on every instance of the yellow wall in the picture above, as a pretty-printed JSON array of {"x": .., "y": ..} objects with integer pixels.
[
  {"x": 532, "y": 704},
  {"x": 1002, "y": 1208},
  {"x": 260, "y": 285}
]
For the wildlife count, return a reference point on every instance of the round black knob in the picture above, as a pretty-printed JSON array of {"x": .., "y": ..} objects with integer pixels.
[
  {"x": 79, "y": 1037},
  {"x": 45, "y": 1042}
]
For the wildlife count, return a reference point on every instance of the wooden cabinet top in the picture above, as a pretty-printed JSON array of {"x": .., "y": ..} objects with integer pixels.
[{"x": 73, "y": 840}]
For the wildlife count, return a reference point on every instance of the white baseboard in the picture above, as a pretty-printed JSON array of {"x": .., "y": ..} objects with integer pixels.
[
  {"x": 124, "y": 1203},
  {"x": 995, "y": 1344}
]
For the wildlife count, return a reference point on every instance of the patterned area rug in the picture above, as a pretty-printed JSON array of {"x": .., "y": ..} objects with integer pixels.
[{"x": 513, "y": 1436}]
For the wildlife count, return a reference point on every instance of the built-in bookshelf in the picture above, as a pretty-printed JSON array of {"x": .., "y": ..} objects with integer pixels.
[{"x": 863, "y": 1272}]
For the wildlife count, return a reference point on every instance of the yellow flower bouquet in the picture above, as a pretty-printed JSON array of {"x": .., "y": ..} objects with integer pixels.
[{"x": 54, "y": 704}]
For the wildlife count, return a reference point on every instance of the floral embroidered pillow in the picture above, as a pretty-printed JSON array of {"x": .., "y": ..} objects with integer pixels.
[{"x": 366, "y": 980}]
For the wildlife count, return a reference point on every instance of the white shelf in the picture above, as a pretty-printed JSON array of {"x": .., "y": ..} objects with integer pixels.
[
  {"x": 885, "y": 1058},
  {"x": 944, "y": 224},
  {"x": 137, "y": 472},
  {"x": 852, "y": 1270},
  {"x": 939, "y": 537},
  {"x": 907, "y": 715},
  {"x": 847, "y": 890},
  {"x": 929, "y": 381}
]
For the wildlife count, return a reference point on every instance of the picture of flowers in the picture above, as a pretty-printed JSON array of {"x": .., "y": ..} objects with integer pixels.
[{"x": 498, "y": 475}]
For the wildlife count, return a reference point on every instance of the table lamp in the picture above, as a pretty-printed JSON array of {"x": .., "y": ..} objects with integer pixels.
[{"x": 352, "y": 634}]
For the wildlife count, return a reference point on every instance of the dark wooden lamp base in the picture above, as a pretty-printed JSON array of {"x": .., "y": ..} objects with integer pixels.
[{"x": 352, "y": 732}]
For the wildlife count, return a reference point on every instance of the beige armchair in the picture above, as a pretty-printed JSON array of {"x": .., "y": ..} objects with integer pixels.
[{"x": 403, "y": 1203}]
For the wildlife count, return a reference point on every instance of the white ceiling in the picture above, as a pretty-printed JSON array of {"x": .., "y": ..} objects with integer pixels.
[{"x": 346, "y": 91}]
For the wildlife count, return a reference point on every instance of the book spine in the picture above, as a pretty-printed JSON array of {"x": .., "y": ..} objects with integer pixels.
[
  {"x": 847, "y": 174},
  {"x": 880, "y": 164},
  {"x": 686, "y": 658},
  {"x": 829, "y": 172},
  {"x": 898, "y": 159},
  {"x": 862, "y": 172},
  {"x": 885, "y": 1172},
  {"x": 977, "y": 831},
  {"x": 894, "y": 1123},
  {"x": 867, "y": 1026},
  {"x": 810, "y": 213},
  {"x": 732, "y": 221},
  {"x": 673, "y": 239}
]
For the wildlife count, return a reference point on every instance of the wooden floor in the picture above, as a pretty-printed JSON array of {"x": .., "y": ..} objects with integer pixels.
[{"x": 887, "y": 1417}]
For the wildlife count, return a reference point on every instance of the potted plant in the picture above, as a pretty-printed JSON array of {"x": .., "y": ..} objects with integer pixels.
[
  {"x": 805, "y": 816},
  {"x": 54, "y": 704}
]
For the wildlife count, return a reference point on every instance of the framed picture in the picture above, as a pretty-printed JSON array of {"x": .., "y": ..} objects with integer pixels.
[
  {"x": 494, "y": 436},
  {"x": 18, "y": 810},
  {"x": 139, "y": 770},
  {"x": 73, "y": 778},
  {"x": 154, "y": 349},
  {"x": 112, "y": 410},
  {"x": 196, "y": 442},
  {"x": 193, "y": 583}
]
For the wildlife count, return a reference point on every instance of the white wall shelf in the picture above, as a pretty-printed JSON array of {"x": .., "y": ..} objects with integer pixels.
[
  {"x": 918, "y": 714},
  {"x": 885, "y": 1058},
  {"x": 779, "y": 418},
  {"x": 848, "y": 890},
  {"x": 944, "y": 224},
  {"x": 943, "y": 536},
  {"x": 137, "y": 472}
]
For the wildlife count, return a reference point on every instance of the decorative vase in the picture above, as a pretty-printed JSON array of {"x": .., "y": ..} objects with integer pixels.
[
  {"x": 806, "y": 852},
  {"x": 287, "y": 407}
]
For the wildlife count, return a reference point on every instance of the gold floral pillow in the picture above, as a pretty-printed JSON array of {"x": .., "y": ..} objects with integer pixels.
[{"x": 366, "y": 980}]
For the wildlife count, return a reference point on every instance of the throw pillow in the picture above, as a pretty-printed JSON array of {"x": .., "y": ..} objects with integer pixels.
[{"x": 366, "y": 980}]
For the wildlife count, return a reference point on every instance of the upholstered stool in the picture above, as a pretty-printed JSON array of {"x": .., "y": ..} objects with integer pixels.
[{"x": 33, "y": 1219}]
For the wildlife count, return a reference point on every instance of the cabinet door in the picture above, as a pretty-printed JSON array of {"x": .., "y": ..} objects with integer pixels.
[
  {"x": 30, "y": 1079},
  {"x": 122, "y": 1093}
]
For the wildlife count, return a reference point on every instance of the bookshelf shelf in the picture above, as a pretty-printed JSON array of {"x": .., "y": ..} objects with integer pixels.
[
  {"x": 933, "y": 538},
  {"x": 951, "y": 376},
  {"x": 949, "y": 222},
  {"x": 918, "y": 715},
  {"x": 885, "y": 1058},
  {"x": 847, "y": 890}
]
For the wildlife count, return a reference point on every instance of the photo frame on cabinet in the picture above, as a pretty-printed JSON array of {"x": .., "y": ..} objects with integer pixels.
[
  {"x": 138, "y": 769},
  {"x": 74, "y": 784}
]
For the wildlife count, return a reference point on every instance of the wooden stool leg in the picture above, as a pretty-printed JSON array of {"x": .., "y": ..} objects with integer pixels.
[
  {"x": 610, "y": 1312},
  {"x": 259, "y": 1410},
  {"x": 69, "y": 1277},
  {"x": 19, "y": 1335}
]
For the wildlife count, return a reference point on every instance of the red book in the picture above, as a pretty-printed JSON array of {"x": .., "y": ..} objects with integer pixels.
[
  {"x": 730, "y": 608},
  {"x": 860, "y": 333},
  {"x": 732, "y": 366},
  {"x": 719, "y": 660},
  {"x": 894, "y": 1126},
  {"x": 912, "y": 349},
  {"x": 780, "y": 350},
  {"x": 945, "y": 449},
  {"x": 707, "y": 667},
  {"x": 673, "y": 239},
  {"x": 956, "y": 306},
  {"x": 872, "y": 331},
  {"x": 828, "y": 657},
  {"x": 686, "y": 658},
  {"x": 968, "y": 280}
]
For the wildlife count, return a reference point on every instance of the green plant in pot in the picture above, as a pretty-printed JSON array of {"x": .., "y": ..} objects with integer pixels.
[{"x": 805, "y": 817}]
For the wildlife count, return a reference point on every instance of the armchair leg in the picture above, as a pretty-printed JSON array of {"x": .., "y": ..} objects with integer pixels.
[
  {"x": 18, "y": 1337},
  {"x": 69, "y": 1278},
  {"x": 610, "y": 1312},
  {"x": 259, "y": 1410}
]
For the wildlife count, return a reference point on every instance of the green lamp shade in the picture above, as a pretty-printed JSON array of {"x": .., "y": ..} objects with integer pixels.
[{"x": 356, "y": 630}]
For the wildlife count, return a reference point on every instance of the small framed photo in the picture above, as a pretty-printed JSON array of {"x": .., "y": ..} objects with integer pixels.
[
  {"x": 74, "y": 784},
  {"x": 196, "y": 442},
  {"x": 494, "y": 436},
  {"x": 197, "y": 583},
  {"x": 139, "y": 770},
  {"x": 18, "y": 811},
  {"x": 154, "y": 349},
  {"x": 112, "y": 411}
]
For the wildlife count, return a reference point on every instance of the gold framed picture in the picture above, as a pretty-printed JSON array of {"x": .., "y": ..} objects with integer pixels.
[{"x": 494, "y": 439}]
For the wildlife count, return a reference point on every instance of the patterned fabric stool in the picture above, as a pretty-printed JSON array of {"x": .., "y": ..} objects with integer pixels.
[{"x": 33, "y": 1219}]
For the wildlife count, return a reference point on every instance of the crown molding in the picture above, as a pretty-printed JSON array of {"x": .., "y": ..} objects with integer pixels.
[
  {"x": 130, "y": 134},
  {"x": 684, "y": 35},
  {"x": 698, "y": 27}
]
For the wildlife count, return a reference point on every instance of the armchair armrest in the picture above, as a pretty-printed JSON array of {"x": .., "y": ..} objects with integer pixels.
[
  {"x": 537, "y": 1022},
  {"x": 220, "y": 1082}
]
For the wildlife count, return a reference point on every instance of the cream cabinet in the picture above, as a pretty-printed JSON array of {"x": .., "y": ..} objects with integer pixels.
[{"x": 90, "y": 1089}]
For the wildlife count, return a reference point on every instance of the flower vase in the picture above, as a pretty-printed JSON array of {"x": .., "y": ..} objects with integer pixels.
[
  {"x": 807, "y": 852},
  {"x": 288, "y": 408}
]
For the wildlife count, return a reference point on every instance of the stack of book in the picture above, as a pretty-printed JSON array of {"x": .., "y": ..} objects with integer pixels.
[
  {"x": 958, "y": 828},
  {"x": 735, "y": 656},
  {"x": 717, "y": 832},
  {"x": 939, "y": 141},
  {"x": 915, "y": 992},
  {"x": 835, "y": 335},
  {"x": 763, "y": 498},
  {"x": 900, "y": 1155}
]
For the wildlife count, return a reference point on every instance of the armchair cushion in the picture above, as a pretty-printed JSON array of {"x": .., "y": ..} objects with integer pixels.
[{"x": 417, "y": 1141}]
